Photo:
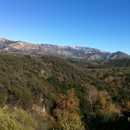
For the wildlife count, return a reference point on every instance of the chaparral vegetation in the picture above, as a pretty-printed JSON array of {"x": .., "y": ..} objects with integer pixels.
[{"x": 50, "y": 93}]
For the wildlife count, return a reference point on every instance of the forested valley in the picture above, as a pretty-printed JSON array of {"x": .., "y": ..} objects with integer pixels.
[{"x": 50, "y": 93}]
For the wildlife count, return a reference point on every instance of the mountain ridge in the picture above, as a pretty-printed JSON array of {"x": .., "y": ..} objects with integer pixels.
[{"x": 77, "y": 52}]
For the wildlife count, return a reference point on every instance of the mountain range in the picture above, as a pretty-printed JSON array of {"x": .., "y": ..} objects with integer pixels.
[{"x": 78, "y": 52}]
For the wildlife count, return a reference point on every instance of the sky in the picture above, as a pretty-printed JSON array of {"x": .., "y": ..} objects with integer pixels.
[{"x": 100, "y": 24}]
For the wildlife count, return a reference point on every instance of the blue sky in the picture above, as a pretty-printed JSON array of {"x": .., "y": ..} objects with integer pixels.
[{"x": 101, "y": 24}]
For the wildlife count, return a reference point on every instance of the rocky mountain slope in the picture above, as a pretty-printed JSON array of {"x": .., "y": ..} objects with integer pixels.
[{"x": 82, "y": 53}]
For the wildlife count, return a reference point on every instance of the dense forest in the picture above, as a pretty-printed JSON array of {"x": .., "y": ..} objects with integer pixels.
[{"x": 50, "y": 93}]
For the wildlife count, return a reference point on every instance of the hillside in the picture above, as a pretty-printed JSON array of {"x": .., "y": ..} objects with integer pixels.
[{"x": 91, "y": 95}]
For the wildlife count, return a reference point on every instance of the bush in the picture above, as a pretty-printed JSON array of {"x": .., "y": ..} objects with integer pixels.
[{"x": 16, "y": 120}]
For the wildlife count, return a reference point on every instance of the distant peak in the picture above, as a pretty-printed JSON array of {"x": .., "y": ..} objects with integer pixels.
[
  {"x": 3, "y": 39},
  {"x": 119, "y": 52}
]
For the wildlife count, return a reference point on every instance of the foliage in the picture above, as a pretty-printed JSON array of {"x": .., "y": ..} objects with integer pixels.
[
  {"x": 67, "y": 112},
  {"x": 89, "y": 94},
  {"x": 16, "y": 120},
  {"x": 3, "y": 97}
]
